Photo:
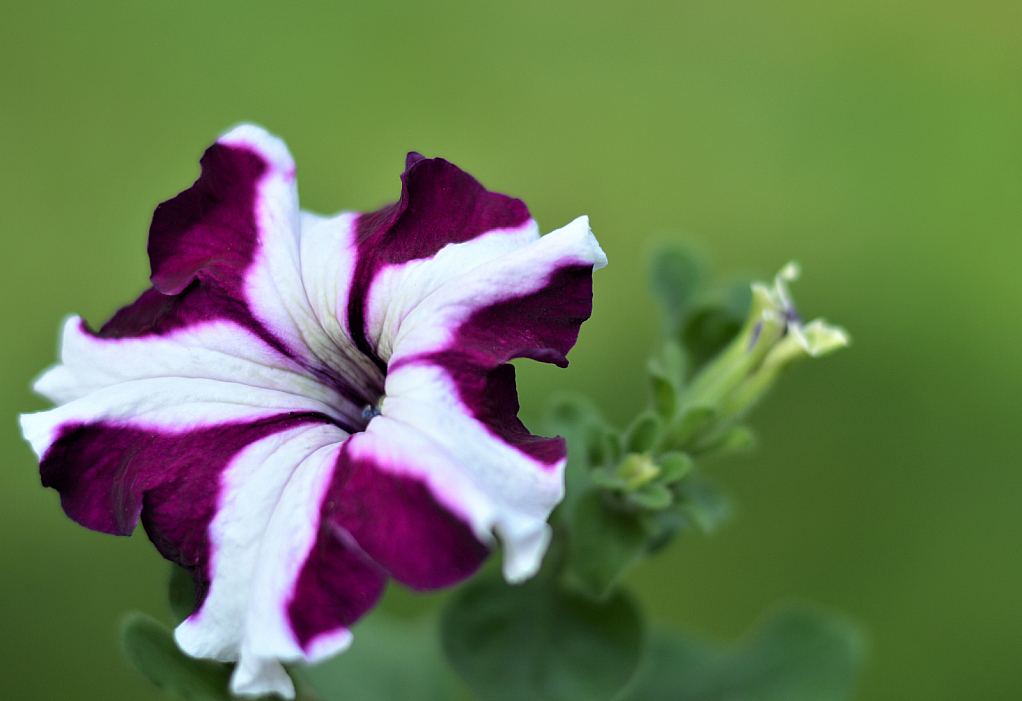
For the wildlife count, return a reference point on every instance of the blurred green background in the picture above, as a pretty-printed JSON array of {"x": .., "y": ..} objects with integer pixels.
[{"x": 878, "y": 142}]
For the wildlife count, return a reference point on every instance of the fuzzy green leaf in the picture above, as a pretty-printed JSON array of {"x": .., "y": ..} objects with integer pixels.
[
  {"x": 538, "y": 642},
  {"x": 703, "y": 503},
  {"x": 709, "y": 329},
  {"x": 604, "y": 543},
  {"x": 653, "y": 497},
  {"x": 151, "y": 649},
  {"x": 676, "y": 275},
  {"x": 389, "y": 659},
  {"x": 643, "y": 433},
  {"x": 661, "y": 527},
  {"x": 664, "y": 395},
  {"x": 794, "y": 654},
  {"x": 735, "y": 439},
  {"x": 673, "y": 466},
  {"x": 695, "y": 421},
  {"x": 578, "y": 421}
]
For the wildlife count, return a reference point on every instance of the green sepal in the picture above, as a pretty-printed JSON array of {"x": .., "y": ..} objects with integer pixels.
[
  {"x": 653, "y": 497},
  {"x": 180, "y": 592},
  {"x": 604, "y": 543},
  {"x": 389, "y": 659},
  {"x": 151, "y": 649},
  {"x": 540, "y": 642},
  {"x": 643, "y": 433},
  {"x": 795, "y": 653},
  {"x": 673, "y": 466}
]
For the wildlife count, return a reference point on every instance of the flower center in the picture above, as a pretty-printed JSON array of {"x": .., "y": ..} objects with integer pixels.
[{"x": 372, "y": 410}]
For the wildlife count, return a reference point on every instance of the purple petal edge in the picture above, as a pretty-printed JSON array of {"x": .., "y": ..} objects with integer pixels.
[
  {"x": 542, "y": 325},
  {"x": 201, "y": 243},
  {"x": 108, "y": 475},
  {"x": 209, "y": 229},
  {"x": 376, "y": 523},
  {"x": 439, "y": 204}
]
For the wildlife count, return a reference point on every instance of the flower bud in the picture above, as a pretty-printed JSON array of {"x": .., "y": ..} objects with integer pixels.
[{"x": 772, "y": 338}]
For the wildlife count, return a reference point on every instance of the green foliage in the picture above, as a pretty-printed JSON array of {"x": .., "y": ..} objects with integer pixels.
[
  {"x": 793, "y": 654},
  {"x": 663, "y": 388},
  {"x": 389, "y": 659},
  {"x": 643, "y": 433},
  {"x": 653, "y": 497},
  {"x": 540, "y": 642},
  {"x": 710, "y": 327},
  {"x": 151, "y": 649},
  {"x": 676, "y": 276},
  {"x": 604, "y": 542},
  {"x": 692, "y": 423},
  {"x": 703, "y": 503},
  {"x": 674, "y": 466},
  {"x": 701, "y": 319},
  {"x": 578, "y": 421},
  {"x": 734, "y": 439}
]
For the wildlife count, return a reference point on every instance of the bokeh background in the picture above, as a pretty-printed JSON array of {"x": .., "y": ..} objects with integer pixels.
[{"x": 878, "y": 142}]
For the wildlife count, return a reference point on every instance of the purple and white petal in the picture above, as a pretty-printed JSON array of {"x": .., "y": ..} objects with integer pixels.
[
  {"x": 228, "y": 257},
  {"x": 448, "y": 377},
  {"x": 440, "y": 205}
]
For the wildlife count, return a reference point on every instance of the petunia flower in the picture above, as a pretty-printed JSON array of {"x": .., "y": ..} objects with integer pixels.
[{"x": 302, "y": 407}]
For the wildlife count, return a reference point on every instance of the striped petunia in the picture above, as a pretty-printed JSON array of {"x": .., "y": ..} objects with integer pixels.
[{"x": 301, "y": 407}]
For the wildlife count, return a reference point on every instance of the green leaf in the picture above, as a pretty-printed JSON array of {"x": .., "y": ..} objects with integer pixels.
[
  {"x": 151, "y": 649},
  {"x": 703, "y": 503},
  {"x": 653, "y": 497},
  {"x": 612, "y": 445},
  {"x": 794, "y": 654},
  {"x": 538, "y": 642},
  {"x": 389, "y": 659},
  {"x": 643, "y": 433},
  {"x": 664, "y": 394},
  {"x": 662, "y": 526},
  {"x": 676, "y": 275},
  {"x": 605, "y": 477},
  {"x": 708, "y": 332},
  {"x": 709, "y": 328},
  {"x": 181, "y": 592},
  {"x": 577, "y": 419},
  {"x": 673, "y": 466},
  {"x": 604, "y": 543},
  {"x": 675, "y": 364}
]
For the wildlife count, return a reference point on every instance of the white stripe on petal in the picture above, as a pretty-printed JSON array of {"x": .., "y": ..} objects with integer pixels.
[
  {"x": 399, "y": 289},
  {"x": 493, "y": 485},
  {"x": 524, "y": 270},
  {"x": 266, "y": 523}
]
